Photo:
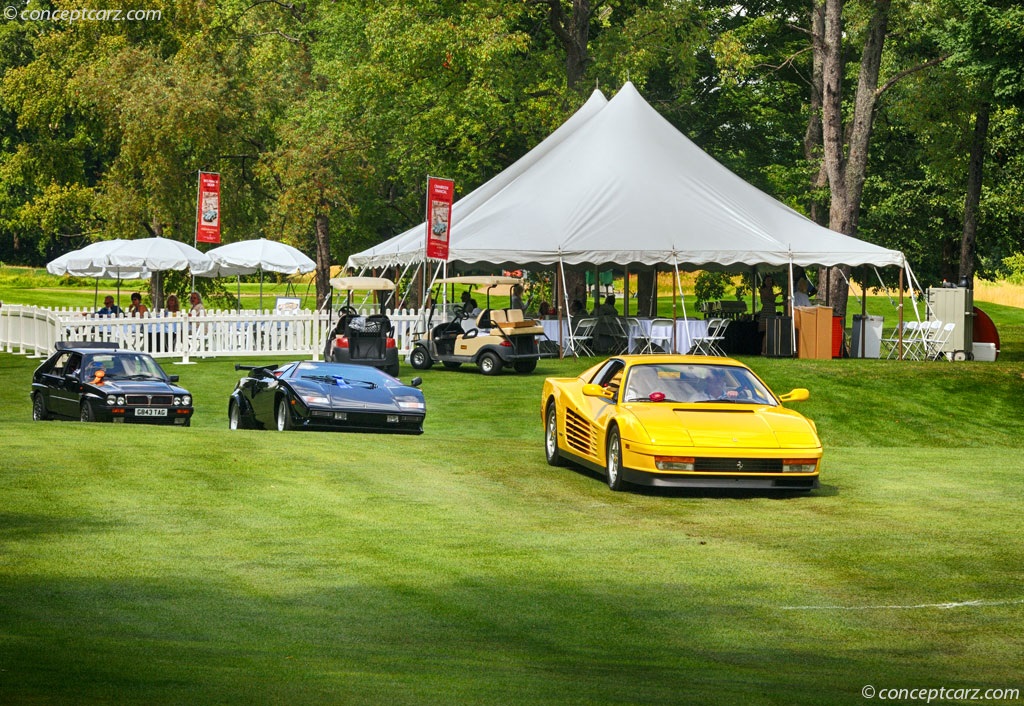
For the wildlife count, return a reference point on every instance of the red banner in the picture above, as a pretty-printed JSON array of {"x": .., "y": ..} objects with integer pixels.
[
  {"x": 440, "y": 194},
  {"x": 208, "y": 215}
]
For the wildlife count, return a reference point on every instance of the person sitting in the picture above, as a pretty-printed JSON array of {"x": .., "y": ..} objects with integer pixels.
[
  {"x": 173, "y": 307},
  {"x": 576, "y": 309},
  {"x": 137, "y": 308},
  {"x": 469, "y": 305},
  {"x": 608, "y": 308},
  {"x": 197, "y": 304},
  {"x": 109, "y": 308}
]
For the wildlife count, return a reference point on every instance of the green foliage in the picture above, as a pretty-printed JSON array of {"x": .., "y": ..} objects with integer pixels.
[{"x": 710, "y": 286}]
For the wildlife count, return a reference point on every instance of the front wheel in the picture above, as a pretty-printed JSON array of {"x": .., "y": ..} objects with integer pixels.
[
  {"x": 284, "y": 415},
  {"x": 490, "y": 364},
  {"x": 551, "y": 436},
  {"x": 420, "y": 359},
  {"x": 234, "y": 416},
  {"x": 39, "y": 412},
  {"x": 88, "y": 413},
  {"x": 614, "y": 462}
]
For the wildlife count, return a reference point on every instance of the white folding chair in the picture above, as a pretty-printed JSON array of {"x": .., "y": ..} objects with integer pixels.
[
  {"x": 928, "y": 331},
  {"x": 708, "y": 344},
  {"x": 634, "y": 333},
  {"x": 582, "y": 337},
  {"x": 912, "y": 331},
  {"x": 934, "y": 345},
  {"x": 660, "y": 336}
]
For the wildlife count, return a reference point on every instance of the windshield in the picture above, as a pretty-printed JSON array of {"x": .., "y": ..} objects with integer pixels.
[
  {"x": 353, "y": 374},
  {"x": 695, "y": 383},
  {"x": 124, "y": 366}
]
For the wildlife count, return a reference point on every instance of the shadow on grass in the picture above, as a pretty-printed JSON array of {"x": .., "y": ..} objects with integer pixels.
[{"x": 824, "y": 490}]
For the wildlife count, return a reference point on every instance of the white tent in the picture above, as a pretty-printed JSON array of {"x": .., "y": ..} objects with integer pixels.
[{"x": 621, "y": 185}]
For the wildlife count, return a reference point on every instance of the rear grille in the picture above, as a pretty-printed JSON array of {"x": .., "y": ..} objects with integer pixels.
[
  {"x": 148, "y": 399},
  {"x": 524, "y": 345},
  {"x": 738, "y": 465},
  {"x": 579, "y": 435}
]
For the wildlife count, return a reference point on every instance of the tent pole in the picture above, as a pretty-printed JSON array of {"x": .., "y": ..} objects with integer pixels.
[
  {"x": 792, "y": 309},
  {"x": 863, "y": 311},
  {"x": 625, "y": 293},
  {"x": 675, "y": 315},
  {"x": 899, "y": 325},
  {"x": 568, "y": 313}
]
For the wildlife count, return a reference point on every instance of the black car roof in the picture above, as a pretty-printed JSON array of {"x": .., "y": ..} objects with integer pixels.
[{"x": 83, "y": 346}]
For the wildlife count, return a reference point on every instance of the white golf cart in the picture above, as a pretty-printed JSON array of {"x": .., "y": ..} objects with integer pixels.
[{"x": 489, "y": 338}]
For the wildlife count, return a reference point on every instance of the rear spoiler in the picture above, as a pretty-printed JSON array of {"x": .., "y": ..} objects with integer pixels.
[
  {"x": 68, "y": 345},
  {"x": 272, "y": 366}
]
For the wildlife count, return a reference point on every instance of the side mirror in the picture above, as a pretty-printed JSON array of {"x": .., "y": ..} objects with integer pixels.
[
  {"x": 172, "y": 378},
  {"x": 594, "y": 390},
  {"x": 798, "y": 395},
  {"x": 416, "y": 382}
]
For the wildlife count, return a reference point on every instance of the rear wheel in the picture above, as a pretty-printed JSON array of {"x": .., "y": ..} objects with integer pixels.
[
  {"x": 490, "y": 364},
  {"x": 392, "y": 370},
  {"x": 525, "y": 366},
  {"x": 420, "y": 359},
  {"x": 39, "y": 412},
  {"x": 613, "y": 465},
  {"x": 88, "y": 414},
  {"x": 551, "y": 436},
  {"x": 284, "y": 415},
  {"x": 234, "y": 416}
]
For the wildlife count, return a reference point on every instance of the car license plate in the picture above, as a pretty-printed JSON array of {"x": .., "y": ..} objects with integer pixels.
[{"x": 150, "y": 412}]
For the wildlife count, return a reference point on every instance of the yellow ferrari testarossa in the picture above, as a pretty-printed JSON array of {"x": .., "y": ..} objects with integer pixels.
[{"x": 680, "y": 421}]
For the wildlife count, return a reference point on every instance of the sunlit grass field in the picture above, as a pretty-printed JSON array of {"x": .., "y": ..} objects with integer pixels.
[{"x": 202, "y": 566}]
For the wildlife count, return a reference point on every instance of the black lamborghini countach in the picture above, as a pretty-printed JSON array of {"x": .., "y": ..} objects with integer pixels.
[
  {"x": 327, "y": 397},
  {"x": 101, "y": 383}
]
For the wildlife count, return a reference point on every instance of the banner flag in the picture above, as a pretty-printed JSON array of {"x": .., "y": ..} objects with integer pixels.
[
  {"x": 440, "y": 194},
  {"x": 208, "y": 212}
]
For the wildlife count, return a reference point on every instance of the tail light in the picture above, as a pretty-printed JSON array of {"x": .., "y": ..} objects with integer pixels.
[
  {"x": 341, "y": 342},
  {"x": 507, "y": 344},
  {"x": 391, "y": 343}
]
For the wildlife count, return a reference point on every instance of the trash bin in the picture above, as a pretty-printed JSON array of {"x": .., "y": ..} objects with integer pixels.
[
  {"x": 869, "y": 330},
  {"x": 779, "y": 337}
]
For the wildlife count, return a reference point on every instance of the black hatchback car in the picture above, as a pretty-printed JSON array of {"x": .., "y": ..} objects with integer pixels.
[{"x": 101, "y": 383}]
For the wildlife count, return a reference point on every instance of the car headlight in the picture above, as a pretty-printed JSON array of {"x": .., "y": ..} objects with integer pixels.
[
  {"x": 120, "y": 399},
  {"x": 315, "y": 399},
  {"x": 177, "y": 400},
  {"x": 799, "y": 465},
  {"x": 673, "y": 463},
  {"x": 406, "y": 402},
  {"x": 111, "y": 400},
  {"x": 186, "y": 400}
]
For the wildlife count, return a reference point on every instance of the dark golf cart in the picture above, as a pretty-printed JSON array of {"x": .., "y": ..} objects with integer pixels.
[{"x": 362, "y": 339}]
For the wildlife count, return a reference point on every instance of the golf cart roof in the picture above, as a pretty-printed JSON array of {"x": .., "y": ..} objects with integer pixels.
[
  {"x": 375, "y": 284},
  {"x": 480, "y": 280}
]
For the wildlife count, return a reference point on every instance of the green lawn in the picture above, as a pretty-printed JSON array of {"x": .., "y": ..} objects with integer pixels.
[{"x": 203, "y": 566}]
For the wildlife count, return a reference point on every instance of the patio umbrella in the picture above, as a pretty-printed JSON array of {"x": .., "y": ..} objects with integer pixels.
[
  {"x": 248, "y": 257},
  {"x": 90, "y": 261},
  {"x": 158, "y": 254}
]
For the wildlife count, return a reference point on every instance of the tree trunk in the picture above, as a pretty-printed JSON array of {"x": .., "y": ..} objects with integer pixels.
[
  {"x": 574, "y": 34},
  {"x": 323, "y": 260},
  {"x": 973, "y": 199},
  {"x": 846, "y": 165}
]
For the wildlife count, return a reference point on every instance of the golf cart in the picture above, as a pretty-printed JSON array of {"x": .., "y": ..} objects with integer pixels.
[
  {"x": 358, "y": 339},
  {"x": 490, "y": 339}
]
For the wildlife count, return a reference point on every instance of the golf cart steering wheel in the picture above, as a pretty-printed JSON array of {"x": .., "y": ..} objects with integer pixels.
[
  {"x": 460, "y": 313},
  {"x": 348, "y": 310}
]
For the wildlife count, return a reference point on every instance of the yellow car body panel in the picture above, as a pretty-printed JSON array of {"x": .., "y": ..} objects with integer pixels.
[{"x": 743, "y": 443}]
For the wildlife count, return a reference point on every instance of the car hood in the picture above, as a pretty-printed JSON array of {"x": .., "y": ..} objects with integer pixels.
[
  {"x": 355, "y": 395},
  {"x": 724, "y": 426},
  {"x": 140, "y": 387}
]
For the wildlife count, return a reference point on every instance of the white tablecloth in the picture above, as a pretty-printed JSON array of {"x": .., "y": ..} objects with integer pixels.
[{"x": 686, "y": 331}]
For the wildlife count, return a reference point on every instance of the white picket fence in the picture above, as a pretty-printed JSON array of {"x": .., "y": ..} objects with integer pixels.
[{"x": 33, "y": 331}]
